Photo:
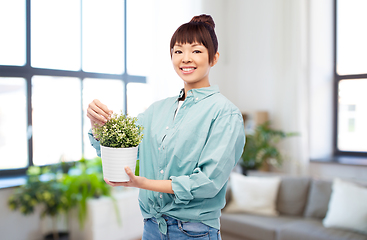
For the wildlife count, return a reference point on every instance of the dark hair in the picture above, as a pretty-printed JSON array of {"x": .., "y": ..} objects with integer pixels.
[{"x": 201, "y": 30}]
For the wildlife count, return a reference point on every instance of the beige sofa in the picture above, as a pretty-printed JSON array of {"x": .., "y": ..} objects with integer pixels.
[{"x": 302, "y": 203}]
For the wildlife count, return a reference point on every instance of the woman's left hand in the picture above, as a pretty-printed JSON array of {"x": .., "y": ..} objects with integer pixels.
[
  {"x": 164, "y": 186},
  {"x": 135, "y": 181}
]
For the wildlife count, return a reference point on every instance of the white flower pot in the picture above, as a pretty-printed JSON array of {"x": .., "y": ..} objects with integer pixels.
[
  {"x": 114, "y": 161},
  {"x": 102, "y": 223}
]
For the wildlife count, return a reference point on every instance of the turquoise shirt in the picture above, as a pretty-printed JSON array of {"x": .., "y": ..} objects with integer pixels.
[{"x": 197, "y": 150}]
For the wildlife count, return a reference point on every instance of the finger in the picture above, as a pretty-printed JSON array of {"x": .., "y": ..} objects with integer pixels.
[
  {"x": 129, "y": 172},
  {"x": 94, "y": 120},
  {"x": 117, "y": 184},
  {"x": 97, "y": 114},
  {"x": 103, "y": 107},
  {"x": 108, "y": 182},
  {"x": 99, "y": 111},
  {"x": 113, "y": 184}
]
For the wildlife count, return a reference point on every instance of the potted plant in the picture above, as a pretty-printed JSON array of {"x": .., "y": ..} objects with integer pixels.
[
  {"x": 59, "y": 188},
  {"x": 83, "y": 182},
  {"x": 49, "y": 193},
  {"x": 119, "y": 138},
  {"x": 260, "y": 148}
]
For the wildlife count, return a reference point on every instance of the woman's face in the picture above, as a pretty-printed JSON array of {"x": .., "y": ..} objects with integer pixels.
[{"x": 191, "y": 63}]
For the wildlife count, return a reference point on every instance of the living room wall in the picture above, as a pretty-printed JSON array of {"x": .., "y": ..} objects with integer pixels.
[
  {"x": 263, "y": 65},
  {"x": 276, "y": 56}
]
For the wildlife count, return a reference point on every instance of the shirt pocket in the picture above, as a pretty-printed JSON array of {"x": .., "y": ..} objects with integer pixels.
[{"x": 194, "y": 230}]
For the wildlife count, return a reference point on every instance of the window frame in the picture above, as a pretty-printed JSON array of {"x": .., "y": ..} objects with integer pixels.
[
  {"x": 27, "y": 72},
  {"x": 337, "y": 79}
]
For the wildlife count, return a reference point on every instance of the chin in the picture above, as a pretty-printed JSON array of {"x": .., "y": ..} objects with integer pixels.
[{"x": 190, "y": 81}]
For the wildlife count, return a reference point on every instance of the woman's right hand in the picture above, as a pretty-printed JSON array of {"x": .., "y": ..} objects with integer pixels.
[{"x": 98, "y": 113}]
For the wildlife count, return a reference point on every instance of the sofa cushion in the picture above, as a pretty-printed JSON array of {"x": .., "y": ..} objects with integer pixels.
[
  {"x": 292, "y": 195},
  {"x": 308, "y": 229},
  {"x": 318, "y": 198},
  {"x": 256, "y": 227},
  {"x": 347, "y": 207},
  {"x": 253, "y": 194}
]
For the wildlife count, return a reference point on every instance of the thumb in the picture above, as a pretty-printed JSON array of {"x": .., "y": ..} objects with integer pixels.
[{"x": 129, "y": 172}]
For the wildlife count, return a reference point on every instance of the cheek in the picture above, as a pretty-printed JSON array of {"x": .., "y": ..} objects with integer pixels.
[
  {"x": 175, "y": 66},
  {"x": 203, "y": 61},
  {"x": 175, "y": 62}
]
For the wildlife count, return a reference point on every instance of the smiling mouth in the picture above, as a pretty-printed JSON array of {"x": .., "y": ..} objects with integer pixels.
[{"x": 188, "y": 70}]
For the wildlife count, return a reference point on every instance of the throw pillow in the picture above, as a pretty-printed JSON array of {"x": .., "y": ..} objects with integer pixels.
[
  {"x": 253, "y": 194},
  {"x": 347, "y": 207},
  {"x": 318, "y": 199}
]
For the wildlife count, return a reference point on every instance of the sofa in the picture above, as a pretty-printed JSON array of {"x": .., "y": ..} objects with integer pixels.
[{"x": 301, "y": 205}]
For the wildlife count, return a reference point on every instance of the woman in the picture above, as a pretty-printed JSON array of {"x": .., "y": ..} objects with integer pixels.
[{"x": 191, "y": 144}]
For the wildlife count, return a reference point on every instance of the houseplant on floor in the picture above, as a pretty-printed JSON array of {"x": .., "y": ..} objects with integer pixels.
[
  {"x": 43, "y": 188},
  {"x": 60, "y": 188},
  {"x": 83, "y": 182},
  {"x": 119, "y": 138},
  {"x": 261, "y": 149}
]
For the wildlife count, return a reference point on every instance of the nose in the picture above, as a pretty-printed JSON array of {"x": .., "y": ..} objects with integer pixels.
[
  {"x": 186, "y": 61},
  {"x": 186, "y": 58}
]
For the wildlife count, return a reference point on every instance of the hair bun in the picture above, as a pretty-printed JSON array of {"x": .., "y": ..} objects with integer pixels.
[{"x": 203, "y": 18}]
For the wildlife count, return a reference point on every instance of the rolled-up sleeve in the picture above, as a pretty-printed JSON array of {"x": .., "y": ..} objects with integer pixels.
[
  {"x": 94, "y": 143},
  {"x": 222, "y": 150}
]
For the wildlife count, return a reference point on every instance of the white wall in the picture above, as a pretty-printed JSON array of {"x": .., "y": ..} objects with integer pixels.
[
  {"x": 276, "y": 55},
  {"x": 263, "y": 64},
  {"x": 247, "y": 46}
]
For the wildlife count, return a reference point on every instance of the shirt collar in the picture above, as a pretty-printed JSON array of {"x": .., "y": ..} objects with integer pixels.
[
  {"x": 199, "y": 93},
  {"x": 181, "y": 95}
]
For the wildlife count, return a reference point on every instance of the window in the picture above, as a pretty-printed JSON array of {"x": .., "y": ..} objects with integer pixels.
[
  {"x": 350, "y": 98},
  {"x": 55, "y": 57}
]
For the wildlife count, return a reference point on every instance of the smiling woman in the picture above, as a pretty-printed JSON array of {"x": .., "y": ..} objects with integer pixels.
[
  {"x": 199, "y": 30},
  {"x": 191, "y": 63},
  {"x": 194, "y": 48},
  {"x": 191, "y": 143}
]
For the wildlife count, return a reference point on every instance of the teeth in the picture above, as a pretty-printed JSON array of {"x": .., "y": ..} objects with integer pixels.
[{"x": 187, "y": 69}]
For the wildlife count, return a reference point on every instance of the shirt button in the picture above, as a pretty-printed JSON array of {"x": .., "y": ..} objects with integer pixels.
[
  {"x": 160, "y": 196},
  {"x": 197, "y": 99},
  {"x": 159, "y": 148},
  {"x": 162, "y": 171},
  {"x": 185, "y": 107},
  {"x": 167, "y": 127}
]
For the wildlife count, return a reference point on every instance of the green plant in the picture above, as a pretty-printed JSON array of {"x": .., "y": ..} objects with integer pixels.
[
  {"x": 49, "y": 193},
  {"x": 61, "y": 187},
  {"x": 85, "y": 183},
  {"x": 120, "y": 131},
  {"x": 261, "y": 147}
]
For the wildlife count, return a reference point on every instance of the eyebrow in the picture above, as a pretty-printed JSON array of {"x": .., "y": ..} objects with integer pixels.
[{"x": 193, "y": 45}]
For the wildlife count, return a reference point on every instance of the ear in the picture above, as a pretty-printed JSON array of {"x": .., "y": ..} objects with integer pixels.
[{"x": 215, "y": 59}]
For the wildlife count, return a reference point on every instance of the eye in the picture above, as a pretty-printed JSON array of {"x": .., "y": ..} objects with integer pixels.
[
  {"x": 196, "y": 51},
  {"x": 178, "y": 52}
]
